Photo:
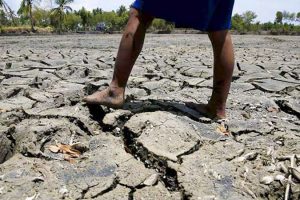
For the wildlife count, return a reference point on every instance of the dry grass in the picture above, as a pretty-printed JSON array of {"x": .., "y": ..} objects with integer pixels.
[{"x": 24, "y": 29}]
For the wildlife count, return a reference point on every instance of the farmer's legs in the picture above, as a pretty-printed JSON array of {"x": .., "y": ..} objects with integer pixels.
[
  {"x": 223, "y": 69},
  {"x": 129, "y": 49}
]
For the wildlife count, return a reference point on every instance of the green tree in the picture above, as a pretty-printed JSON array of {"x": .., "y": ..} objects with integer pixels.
[
  {"x": 7, "y": 10},
  {"x": 288, "y": 17},
  {"x": 279, "y": 17},
  {"x": 249, "y": 17},
  {"x": 41, "y": 17},
  {"x": 3, "y": 18},
  {"x": 237, "y": 23},
  {"x": 26, "y": 10},
  {"x": 298, "y": 17},
  {"x": 285, "y": 15},
  {"x": 86, "y": 17},
  {"x": 59, "y": 11},
  {"x": 72, "y": 21},
  {"x": 97, "y": 11},
  {"x": 292, "y": 17},
  {"x": 122, "y": 10}
]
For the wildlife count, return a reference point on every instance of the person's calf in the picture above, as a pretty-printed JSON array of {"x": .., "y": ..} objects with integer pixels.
[
  {"x": 223, "y": 69},
  {"x": 130, "y": 47}
]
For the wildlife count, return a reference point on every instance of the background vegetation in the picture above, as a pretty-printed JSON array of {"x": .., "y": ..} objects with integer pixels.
[{"x": 62, "y": 18}]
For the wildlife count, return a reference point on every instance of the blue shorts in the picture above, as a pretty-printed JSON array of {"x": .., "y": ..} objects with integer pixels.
[{"x": 205, "y": 15}]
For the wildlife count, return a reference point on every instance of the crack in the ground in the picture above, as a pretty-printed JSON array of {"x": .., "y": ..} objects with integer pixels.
[
  {"x": 150, "y": 160},
  {"x": 76, "y": 121},
  {"x": 168, "y": 175},
  {"x": 160, "y": 164},
  {"x": 14, "y": 93},
  {"x": 284, "y": 91},
  {"x": 260, "y": 66},
  {"x": 286, "y": 81},
  {"x": 9, "y": 136},
  {"x": 33, "y": 99},
  {"x": 285, "y": 108},
  {"x": 194, "y": 149},
  {"x": 239, "y": 67},
  {"x": 40, "y": 61},
  {"x": 178, "y": 109},
  {"x": 84, "y": 191},
  {"x": 110, "y": 188}
]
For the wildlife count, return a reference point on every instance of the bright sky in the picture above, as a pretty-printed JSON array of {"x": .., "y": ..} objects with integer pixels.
[{"x": 265, "y": 9}]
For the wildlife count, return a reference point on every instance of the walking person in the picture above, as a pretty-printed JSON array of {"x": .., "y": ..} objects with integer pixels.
[{"x": 212, "y": 16}]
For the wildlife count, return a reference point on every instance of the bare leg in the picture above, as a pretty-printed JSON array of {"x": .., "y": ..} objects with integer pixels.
[
  {"x": 223, "y": 69},
  {"x": 129, "y": 49}
]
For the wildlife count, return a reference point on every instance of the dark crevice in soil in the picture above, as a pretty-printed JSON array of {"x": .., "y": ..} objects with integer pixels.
[
  {"x": 97, "y": 113},
  {"x": 9, "y": 136},
  {"x": 239, "y": 66},
  {"x": 191, "y": 151},
  {"x": 112, "y": 187},
  {"x": 285, "y": 81},
  {"x": 132, "y": 189},
  {"x": 83, "y": 192},
  {"x": 260, "y": 66},
  {"x": 285, "y": 108},
  {"x": 15, "y": 92},
  {"x": 57, "y": 76},
  {"x": 146, "y": 89},
  {"x": 73, "y": 120},
  {"x": 35, "y": 101},
  {"x": 257, "y": 87},
  {"x": 238, "y": 133},
  {"x": 235, "y": 78},
  {"x": 40, "y": 61},
  {"x": 48, "y": 135},
  {"x": 150, "y": 160},
  {"x": 249, "y": 90},
  {"x": 116, "y": 130},
  {"x": 167, "y": 106},
  {"x": 131, "y": 193},
  {"x": 295, "y": 75},
  {"x": 81, "y": 125}
]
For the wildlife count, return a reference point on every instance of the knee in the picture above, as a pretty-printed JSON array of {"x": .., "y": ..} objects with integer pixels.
[
  {"x": 219, "y": 37},
  {"x": 137, "y": 16}
]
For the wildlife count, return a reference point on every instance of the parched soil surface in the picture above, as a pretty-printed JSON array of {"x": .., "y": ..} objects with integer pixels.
[{"x": 155, "y": 147}]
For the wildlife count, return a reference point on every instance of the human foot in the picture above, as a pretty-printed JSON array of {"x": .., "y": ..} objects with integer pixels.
[
  {"x": 110, "y": 97},
  {"x": 207, "y": 110}
]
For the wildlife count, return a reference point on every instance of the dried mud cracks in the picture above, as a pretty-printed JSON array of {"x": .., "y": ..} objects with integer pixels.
[{"x": 155, "y": 147}]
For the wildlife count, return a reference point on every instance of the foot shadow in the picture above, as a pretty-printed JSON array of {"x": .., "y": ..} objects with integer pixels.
[
  {"x": 178, "y": 108},
  {"x": 205, "y": 125}
]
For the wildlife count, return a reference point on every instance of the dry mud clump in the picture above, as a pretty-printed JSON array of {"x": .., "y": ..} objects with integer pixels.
[{"x": 52, "y": 146}]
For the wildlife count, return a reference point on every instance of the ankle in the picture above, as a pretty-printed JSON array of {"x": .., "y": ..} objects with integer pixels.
[
  {"x": 116, "y": 86},
  {"x": 116, "y": 90},
  {"x": 217, "y": 108}
]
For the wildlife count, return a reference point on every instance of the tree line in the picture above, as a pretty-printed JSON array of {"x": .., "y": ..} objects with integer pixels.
[
  {"x": 284, "y": 23},
  {"x": 62, "y": 18}
]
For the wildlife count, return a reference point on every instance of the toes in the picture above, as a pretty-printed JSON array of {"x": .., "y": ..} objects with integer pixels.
[{"x": 91, "y": 99}]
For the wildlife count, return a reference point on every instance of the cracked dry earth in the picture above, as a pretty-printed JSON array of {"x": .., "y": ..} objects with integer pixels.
[{"x": 155, "y": 147}]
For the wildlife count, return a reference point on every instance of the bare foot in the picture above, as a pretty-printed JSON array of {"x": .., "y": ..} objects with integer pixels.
[
  {"x": 113, "y": 98},
  {"x": 207, "y": 110}
]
